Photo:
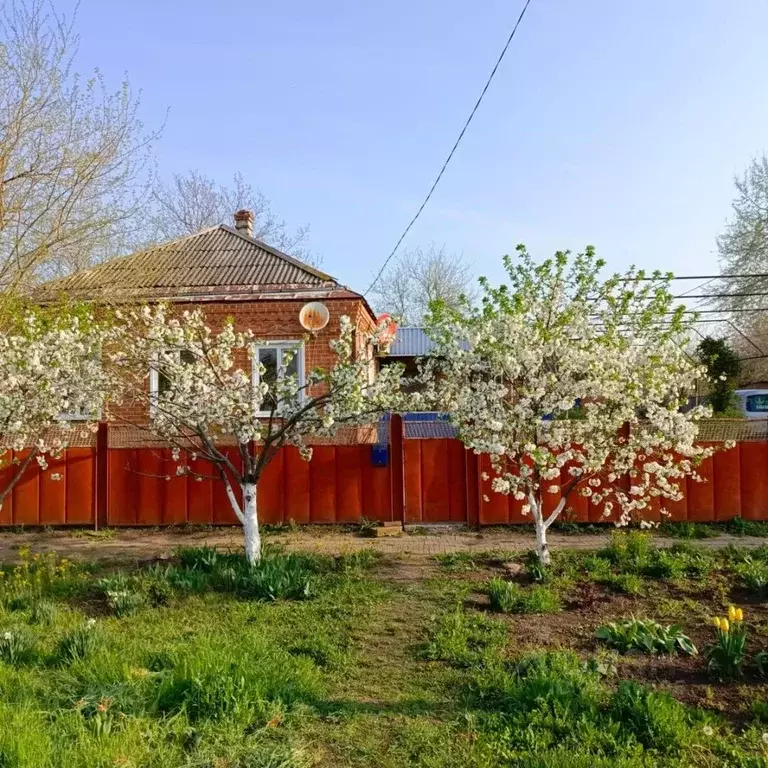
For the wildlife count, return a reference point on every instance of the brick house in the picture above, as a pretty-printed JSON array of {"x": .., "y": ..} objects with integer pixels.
[{"x": 229, "y": 274}]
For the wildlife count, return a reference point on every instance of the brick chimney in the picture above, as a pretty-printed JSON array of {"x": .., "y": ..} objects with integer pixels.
[{"x": 244, "y": 222}]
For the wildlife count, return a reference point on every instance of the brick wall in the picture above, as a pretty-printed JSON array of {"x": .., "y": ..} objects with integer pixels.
[{"x": 269, "y": 320}]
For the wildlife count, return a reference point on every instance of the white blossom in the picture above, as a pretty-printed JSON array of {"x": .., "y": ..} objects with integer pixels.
[
  {"x": 212, "y": 398},
  {"x": 51, "y": 363},
  {"x": 566, "y": 377}
]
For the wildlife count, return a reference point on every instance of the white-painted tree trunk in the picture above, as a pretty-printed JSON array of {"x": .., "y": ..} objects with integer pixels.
[
  {"x": 542, "y": 550},
  {"x": 542, "y": 525},
  {"x": 251, "y": 524}
]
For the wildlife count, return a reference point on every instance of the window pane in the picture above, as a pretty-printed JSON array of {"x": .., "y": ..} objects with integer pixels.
[
  {"x": 292, "y": 367},
  {"x": 268, "y": 358},
  {"x": 757, "y": 403}
]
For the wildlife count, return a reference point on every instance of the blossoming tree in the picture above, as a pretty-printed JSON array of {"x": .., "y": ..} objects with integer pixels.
[
  {"x": 571, "y": 384},
  {"x": 211, "y": 393},
  {"x": 53, "y": 383}
]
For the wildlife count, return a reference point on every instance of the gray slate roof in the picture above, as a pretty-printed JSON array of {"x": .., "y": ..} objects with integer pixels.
[{"x": 216, "y": 262}]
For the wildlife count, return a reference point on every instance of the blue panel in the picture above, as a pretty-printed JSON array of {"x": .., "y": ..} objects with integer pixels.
[{"x": 379, "y": 455}]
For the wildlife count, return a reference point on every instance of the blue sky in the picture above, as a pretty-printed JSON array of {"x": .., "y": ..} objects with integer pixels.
[{"x": 618, "y": 124}]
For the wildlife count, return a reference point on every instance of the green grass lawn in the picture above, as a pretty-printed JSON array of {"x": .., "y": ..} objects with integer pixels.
[{"x": 464, "y": 660}]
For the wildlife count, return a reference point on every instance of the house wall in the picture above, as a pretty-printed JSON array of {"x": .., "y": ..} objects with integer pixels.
[{"x": 268, "y": 320}]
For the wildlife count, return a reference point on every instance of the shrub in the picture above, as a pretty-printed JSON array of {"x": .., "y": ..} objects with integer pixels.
[
  {"x": 726, "y": 655},
  {"x": 464, "y": 639},
  {"x": 80, "y": 643},
  {"x": 508, "y": 597},
  {"x": 17, "y": 646},
  {"x": 754, "y": 575},
  {"x": 646, "y": 636},
  {"x": 656, "y": 720},
  {"x": 123, "y": 597}
]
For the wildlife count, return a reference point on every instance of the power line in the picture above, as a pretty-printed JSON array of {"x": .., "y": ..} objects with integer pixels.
[
  {"x": 695, "y": 277},
  {"x": 453, "y": 149}
]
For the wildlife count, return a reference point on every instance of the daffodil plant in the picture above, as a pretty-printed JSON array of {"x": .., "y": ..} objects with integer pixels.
[
  {"x": 571, "y": 384},
  {"x": 215, "y": 394},
  {"x": 726, "y": 655}
]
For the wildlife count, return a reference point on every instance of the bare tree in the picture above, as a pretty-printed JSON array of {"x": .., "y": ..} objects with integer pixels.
[
  {"x": 193, "y": 201},
  {"x": 75, "y": 163},
  {"x": 419, "y": 277},
  {"x": 743, "y": 247}
]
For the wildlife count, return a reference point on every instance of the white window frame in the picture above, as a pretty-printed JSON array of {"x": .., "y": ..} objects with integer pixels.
[
  {"x": 81, "y": 415},
  {"x": 72, "y": 416},
  {"x": 154, "y": 381},
  {"x": 280, "y": 345}
]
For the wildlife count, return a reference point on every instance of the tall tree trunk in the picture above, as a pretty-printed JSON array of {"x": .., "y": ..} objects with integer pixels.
[{"x": 251, "y": 524}]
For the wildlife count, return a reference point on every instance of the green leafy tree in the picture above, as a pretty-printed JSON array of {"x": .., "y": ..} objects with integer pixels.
[{"x": 724, "y": 367}]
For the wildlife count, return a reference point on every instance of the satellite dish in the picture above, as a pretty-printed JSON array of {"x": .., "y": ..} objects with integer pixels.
[{"x": 314, "y": 316}]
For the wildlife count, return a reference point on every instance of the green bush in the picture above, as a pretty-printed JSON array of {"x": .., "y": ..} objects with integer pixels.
[
  {"x": 508, "y": 597},
  {"x": 646, "y": 636},
  {"x": 464, "y": 639},
  {"x": 17, "y": 646}
]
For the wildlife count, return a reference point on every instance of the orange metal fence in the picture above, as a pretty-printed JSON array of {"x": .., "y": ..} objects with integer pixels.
[{"x": 423, "y": 481}]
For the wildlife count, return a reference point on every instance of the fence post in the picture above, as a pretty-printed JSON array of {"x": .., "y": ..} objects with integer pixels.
[
  {"x": 396, "y": 466},
  {"x": 102, "y": 457},
  {"x": 472, "y": 474}
]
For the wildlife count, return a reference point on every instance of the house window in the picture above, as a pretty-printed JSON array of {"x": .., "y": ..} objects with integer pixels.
[
  {"x": 159, "y": 382},
  {"x": 80, "y": 414},
  {"x": 280, "y": 359}
]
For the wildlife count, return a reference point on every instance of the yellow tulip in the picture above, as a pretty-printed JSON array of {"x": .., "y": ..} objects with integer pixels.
[
  {"x": 724, "y": 625},
  {"x": 739, "y": 614},
  {"x": 732, "y": 612},
  {"x": 716, "y": 622}
]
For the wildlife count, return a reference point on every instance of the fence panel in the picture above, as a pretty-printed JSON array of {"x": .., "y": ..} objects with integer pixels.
[{"x": 429, "y": 477}]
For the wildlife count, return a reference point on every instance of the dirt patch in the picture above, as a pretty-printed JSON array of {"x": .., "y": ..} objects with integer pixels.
[
  {"x": 588, "y": 606},
  {"x": 131, "y": 544}
]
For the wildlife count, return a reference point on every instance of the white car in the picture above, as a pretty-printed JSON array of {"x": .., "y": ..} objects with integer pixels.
[{"x": 754, "y": 403}]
